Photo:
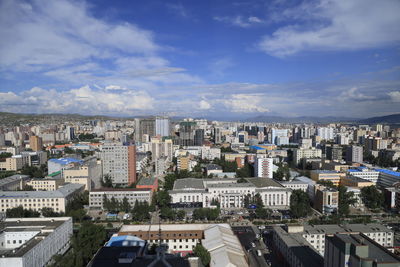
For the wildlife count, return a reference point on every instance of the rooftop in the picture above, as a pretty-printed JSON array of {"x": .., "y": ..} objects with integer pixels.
[
  {"x": 62, "y": 192},
  {"x": 104, "y": 189},
  {"x": 188, "y": 183},
  {"x": 397, "y": 174},
  {"x": 65, "y": 161},
  {"x": 13, "y": 178},
  {"x": 263, "y": 182},
  {"x": 147, "y": 181}
]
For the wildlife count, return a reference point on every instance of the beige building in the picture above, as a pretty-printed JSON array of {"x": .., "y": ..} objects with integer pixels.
[
  {"x": 326, "y": 199},
  {"x": 325, "y": 175},
  {"x": 36, "y": 143},
  {"x": 46, "y": 184},
  {"x": 36, "y": 200},
  {"x": 14, "y": 163},
  {"x": 354, "y": 181}
]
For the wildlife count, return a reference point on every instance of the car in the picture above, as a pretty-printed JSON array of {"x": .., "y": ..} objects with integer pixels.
[
  {"x": 259, "y": 253},
  {"x": 253, "y": 245}
]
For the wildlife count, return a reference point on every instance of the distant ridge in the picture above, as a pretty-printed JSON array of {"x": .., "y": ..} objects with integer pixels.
[
  {"x": 394, "y": 118},
  {"x": 301, "y": 119}
]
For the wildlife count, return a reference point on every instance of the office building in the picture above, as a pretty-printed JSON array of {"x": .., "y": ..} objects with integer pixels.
[
  {"x": 57, "y": 165},
  {"x": 300, "y": 154},
  {"x": 32, "y": 242},
  {"x": 354, "y": 154},
  {"x": 387, "y": 178},
  {"x": 326, "y": 199},
  {"x": 263, "y": 167},
  {"x": 162, "y": 126},
  {"x": 35, "y": 143},
  {"x": 217, "y": 135},
  {"x": 119, "y": 162},
  {"x": 199, "y": 137},
  {"x": 187, "y": 133}
]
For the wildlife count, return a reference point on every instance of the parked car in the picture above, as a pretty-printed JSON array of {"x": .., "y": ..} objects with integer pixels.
[{"x": 259, "y": 253}]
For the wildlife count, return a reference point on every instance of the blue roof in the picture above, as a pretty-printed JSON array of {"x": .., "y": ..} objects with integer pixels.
[
  {"x": 397, "y": 174},
  {"x": 125, "y": 241},
  {"x": 65, "y": 161},
  {"x": 257, "y": 148}
]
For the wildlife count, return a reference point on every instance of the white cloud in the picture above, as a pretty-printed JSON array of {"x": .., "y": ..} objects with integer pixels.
[
  {"x": 240, "y": 21},
  {"x": 220, "y": 65},
  {"x": 204, "y": 105},
  {"x": 395, "y": 96},
  {"x": 84, "y": 100},
  {"x": 337, "y": 25},
  {"x": 354, "y": 94},
  {"x": 244, "y": 103},
  {"x": 115, "y": 87}
]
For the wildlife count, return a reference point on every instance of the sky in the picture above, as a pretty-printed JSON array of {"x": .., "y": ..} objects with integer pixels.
[{"x": 201, "y": 58}]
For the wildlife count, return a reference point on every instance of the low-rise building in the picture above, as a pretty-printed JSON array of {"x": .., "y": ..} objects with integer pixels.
[
  {"x": 354, "y": 181},
  {"x": 387, "y": 178},
  {"x": 46, "y": 184},
  {"x": 32, "y": 242},
  {"x": 36, "y": 200},
  {"x": 213, "y": 169},
  {"x": 364, "y": 173},
  {"x": 326, "y": 199},
  {"x": 13, "y": 182},
  {"x": 295, "y": 185},
  {"x": 346, "y": 249},
  {"x": 96, "y": 196},
  {"x": 325, "y": 175},
  {"x": 148, "y": 182}
]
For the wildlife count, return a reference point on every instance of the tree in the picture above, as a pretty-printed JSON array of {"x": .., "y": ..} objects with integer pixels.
[
  {"x": 163, "y": 198},
  {"x": 180, "y": 214},
  {"x": 372, "y": 197},
  {"x": 167, "y": 213},
  {"x": 84, "y": 243},
  {"x": 106, "y": 181},
  {"x": 169, "y": 181},
  {"x": 258, "y": 200},
  {"x": 246, "y": 171},
  {"x": 203, "y": 254},
  {"x": 262, "y": 213},
  {"x": 4, "y": 155},
  {"x": 141, "y": 211},
  {"x": 125, "y": 206},
  {"x": 299, "y": 204},
  {"x": 20, "y": 212},
  {"x": 49, "y": 212},
  {"x": 345, "y": 200},
  {"x": 326, "y": 183}
]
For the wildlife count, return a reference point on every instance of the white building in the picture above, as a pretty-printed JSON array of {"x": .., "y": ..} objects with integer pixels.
[
  {"x": 295, "y": 185},
  {"x": 364, "y": 173},
  {"x": 96, "y": 196},
  {"x": 306, "y": 153},
  {"x": 326, "y": 133},
  {"x": 36, "y": 200},
  {"x": 228, "y": 192},
  {"x": 210, "y": 153},
  {"x": 32, "y": 242},
  {"x": 263, "y": 167},
  {"x": 275, "y": 133}
]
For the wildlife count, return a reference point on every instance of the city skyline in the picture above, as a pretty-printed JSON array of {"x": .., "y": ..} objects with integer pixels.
[{"x": 240, "y": 58}]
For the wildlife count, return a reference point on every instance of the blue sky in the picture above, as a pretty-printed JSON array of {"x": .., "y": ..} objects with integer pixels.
[{"x": 201, "y": 58}]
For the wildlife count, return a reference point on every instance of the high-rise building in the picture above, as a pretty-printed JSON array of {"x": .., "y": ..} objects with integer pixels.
[
  {"x": 35, "y": 142},
  {"x": 325, "y": 133},
  {"x": 263, "y": 167},
  {"x": 217, "y": 135},
  {"x": 2, "y": 139},
  {"x": 186, "y": 133},
  {"x": 162, "y": 126},
  {"x": 275, "y": 133},
  {"x": 145, "y": 126},
  {"x": 70, "y": 133},
  {"x": 119, "y": 162},
  {"x": 354, "y": 154},
  {"x": 333, "y": 153},
  {"x": 199, "y": 137}
]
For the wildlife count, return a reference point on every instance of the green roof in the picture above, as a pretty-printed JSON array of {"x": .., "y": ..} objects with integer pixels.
[{"x": 54, "y": 174}]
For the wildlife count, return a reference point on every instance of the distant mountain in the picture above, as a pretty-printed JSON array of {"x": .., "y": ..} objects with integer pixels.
[
  {"x": 301, "y": 119},
  {"x": 394, "y": 118}
]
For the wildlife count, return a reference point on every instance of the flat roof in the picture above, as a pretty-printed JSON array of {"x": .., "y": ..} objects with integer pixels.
[
  {"x": 263, "y": 182},
  {"x": 65, "y": 161},
  {"x": 103, "y": 189},
  {"x": 61, "y": 192},
  {"x": 186, "y": 183},
  {"x": 13, "y": 178},
  {"x": 147, "y": 181},
  {"x": 375, "y": 251}
]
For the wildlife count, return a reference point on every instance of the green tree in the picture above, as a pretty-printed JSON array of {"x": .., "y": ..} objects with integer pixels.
[
  {"x": 20, "y": 212},
  {"x": 246, "y": 171},
  {"x": 372, "y": 197},
  {"x": 167, "y": 213},
  {"x": 49, "y": 212},
  {"x": 180, "y": 214},
  {"x": 163, "y": 198},
  {"x": 262, "y": 213},
  {"x": 345, "y": 200},
  {"x": 106, "y": 181},
  {"x": 169, "y": 181},
  {"x": 203, "y": 254},
  {"x": 299, "y": 204},
  {"x": 125, "y": 206}
]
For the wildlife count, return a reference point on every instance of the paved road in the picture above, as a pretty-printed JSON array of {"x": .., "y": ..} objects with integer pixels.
[{"x": 247, "y": 236}]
